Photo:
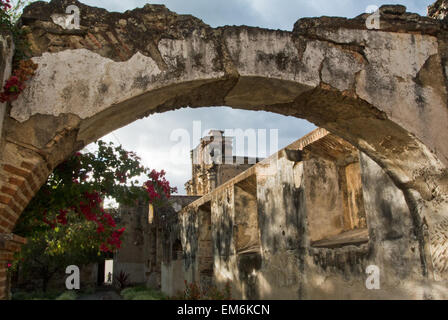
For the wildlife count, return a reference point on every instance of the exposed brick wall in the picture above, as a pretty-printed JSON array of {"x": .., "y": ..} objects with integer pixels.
[
  {"x": 22, "y": 173},
  {"x": 21, "y": 177}
]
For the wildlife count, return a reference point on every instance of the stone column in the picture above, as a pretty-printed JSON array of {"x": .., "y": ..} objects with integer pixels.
[{"x": 9, "y": 244}]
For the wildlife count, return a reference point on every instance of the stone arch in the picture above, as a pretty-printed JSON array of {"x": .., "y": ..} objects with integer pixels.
[{"x": 384, "y": 91}]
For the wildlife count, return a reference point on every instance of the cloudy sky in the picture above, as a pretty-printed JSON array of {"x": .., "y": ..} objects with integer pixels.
[{"x": 153, "y": 138}]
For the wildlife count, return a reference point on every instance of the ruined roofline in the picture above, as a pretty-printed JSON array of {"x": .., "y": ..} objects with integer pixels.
[
  {"x": 296, "y": 145},
  {"x": 307, "y": 139},
  {"x": 300, "y": 144}
]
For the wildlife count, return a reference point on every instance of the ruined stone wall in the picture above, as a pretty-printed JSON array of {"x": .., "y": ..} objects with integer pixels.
[
  {"x": 281, "y": 231},
  {"x": 339, "y": 271},
  {"x": 147, "y": 249},
  {"x": 324, "y": 196},
  {"x": 226, "y": 172},
  {"x": 137, "y": 248},
  {"x": 294, "y": 200},
  {"x": 384, "y": 91},
  {"x": 172, "y": 264},
  {"x": 205, "y": 178},
  {"x": 353, "y": 197},
  {"x": 213, "y": 164}
]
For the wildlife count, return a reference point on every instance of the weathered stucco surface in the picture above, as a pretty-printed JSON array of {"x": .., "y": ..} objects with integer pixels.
[
  {"x": 300, "y": 246},
  {"x": 149, "y": 243},
  {"x": 384, "y": 91}
]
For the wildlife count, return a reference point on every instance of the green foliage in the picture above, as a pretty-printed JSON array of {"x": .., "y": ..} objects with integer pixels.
[
  {"x": 142, "y": 293},
  {"x": 65, "y": 223},
  {"x": 194, "y": 292},
  {"x": 111, "y": 171},
  {"x": 68, "y": 295},
  {"x": 48, "y": 253}
]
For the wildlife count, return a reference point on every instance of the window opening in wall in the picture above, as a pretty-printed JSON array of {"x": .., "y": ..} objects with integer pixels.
[
  {"x": 334, "y": 194},
  {"x": 246, "y": 231}
]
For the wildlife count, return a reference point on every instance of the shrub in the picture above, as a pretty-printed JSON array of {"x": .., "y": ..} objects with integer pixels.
[
  {"x": 122, "y": 280},
  {"x": 130, "y": 293}
]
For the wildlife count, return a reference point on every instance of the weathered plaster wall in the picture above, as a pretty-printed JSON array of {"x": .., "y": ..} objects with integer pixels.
[
  {"x": 228, "y": 171},
  {"x": 323, "y": 194},
  {"x": 247, "y": 234},
  {"x": 173, "y": 278},
  {"x": 281, "y": 230},
  {"x": 146, "y": 252},
  {"x": 353, "y": 197},
  {"x": 340, "y": 273},
  {"x": 179, "y": 61},
  {"x": 288, "y": 265},
  {"x": 136, "y": 249}
]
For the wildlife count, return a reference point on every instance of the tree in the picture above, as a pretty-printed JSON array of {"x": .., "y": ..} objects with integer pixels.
[{"x": 65, "y": 222}]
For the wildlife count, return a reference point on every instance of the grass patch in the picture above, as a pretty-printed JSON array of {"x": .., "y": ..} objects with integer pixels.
[
  {"x": 68, "y": 295},
  {"x": 142, "y": 293}
]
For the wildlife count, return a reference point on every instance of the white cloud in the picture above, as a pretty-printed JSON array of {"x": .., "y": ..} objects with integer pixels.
[{"x": 150, "y": 137}]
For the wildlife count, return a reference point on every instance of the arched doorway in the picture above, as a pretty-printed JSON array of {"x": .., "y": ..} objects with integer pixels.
[{"x": 383, "y": 91}]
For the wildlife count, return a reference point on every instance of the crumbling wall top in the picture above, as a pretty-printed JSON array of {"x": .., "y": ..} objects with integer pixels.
[
  {"x": 114, "y": 35},
  {"x": 393, "y": 18},
  {"x": 438, "y": 9}
]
